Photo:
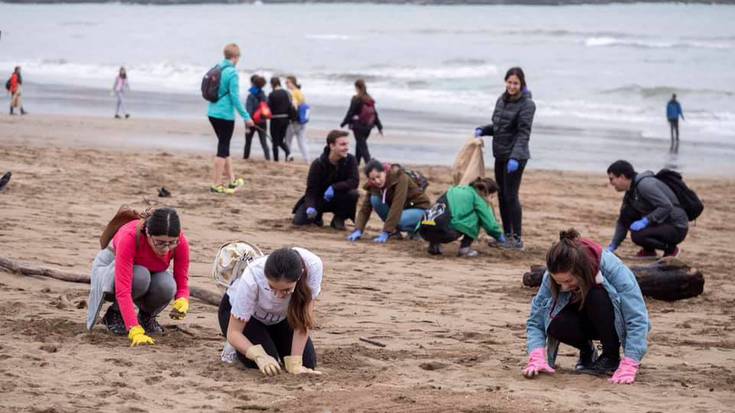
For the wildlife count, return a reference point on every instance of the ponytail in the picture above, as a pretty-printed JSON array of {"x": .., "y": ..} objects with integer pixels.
[
  {"x": 567, "y": 256},
  {"x": 286, "y": 264}
]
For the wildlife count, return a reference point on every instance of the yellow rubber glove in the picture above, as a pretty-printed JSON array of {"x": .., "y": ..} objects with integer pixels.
[
  {"x": 138, "y": 338},
  {"x": 267, "y": 364},
  {"x": 295, "y": 365},
  {"x": 181, "y": 307}
]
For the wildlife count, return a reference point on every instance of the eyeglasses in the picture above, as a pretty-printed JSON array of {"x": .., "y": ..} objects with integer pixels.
[{"x": 160, "y": 244}]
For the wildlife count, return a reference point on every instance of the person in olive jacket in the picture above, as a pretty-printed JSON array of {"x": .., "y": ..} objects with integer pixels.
[
  {"x": 511, "y": 131},
  {"x": 331, "y": 185},
  {"x": 397, "y": 199}
]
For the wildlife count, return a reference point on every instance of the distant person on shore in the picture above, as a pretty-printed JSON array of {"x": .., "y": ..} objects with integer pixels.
[
  {"x": 673, "y": 112},
  {"x": 297, "y": 127},
  {"x": 281, "y": 111},
  {"x": 133, "y": 272},
  {"x": 331, "y": 185},
  {"x": 5, "y": 179},
  {"x": 120, "y": 87},
  {"x": 268, "y": 312},
  {"x": 650, "y": 209},
  {"x": 14, "y": 86},
  {"x": 253, "y": 104},
  {"x": 511, "y": 131},
  {"x": 222, "y": 117},
  {"x": 362, "y": 117},
  {"x": 395, "y": 197},
  {"x": 587, "y": 294},
  {"x": 460, "y": 213}
]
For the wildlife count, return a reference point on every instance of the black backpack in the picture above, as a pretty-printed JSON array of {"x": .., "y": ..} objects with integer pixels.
[
  {"x": 417, "y": 177},
  {"x": 688, "y": 199},
  {"x": 210, "y": 84}
]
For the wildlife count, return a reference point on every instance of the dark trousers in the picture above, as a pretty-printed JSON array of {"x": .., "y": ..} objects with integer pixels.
[
  {"x": 279, "y": 126},
  {"x": 343, "y": 205},
  {"x": 659, "y": 237},
  {"x": 442, "y": 232},
  {"x": 275, "y": 339},
  {"x": 223, "y": 129},
  {"x": 595, "y": 321},
  {"x": 361, "y": 147},
  {"x": 511, "y": 211},
  {"x": 674, "y": 125},
  {"x": 263, "y": 141}
]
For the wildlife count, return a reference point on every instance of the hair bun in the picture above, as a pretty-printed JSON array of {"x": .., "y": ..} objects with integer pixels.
[{"x": 570, "y": 234}]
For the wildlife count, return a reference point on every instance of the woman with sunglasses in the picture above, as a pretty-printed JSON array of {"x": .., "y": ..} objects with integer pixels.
[
  {"x": 268, "y": 311},
  {"x": 133, "y": 272}
]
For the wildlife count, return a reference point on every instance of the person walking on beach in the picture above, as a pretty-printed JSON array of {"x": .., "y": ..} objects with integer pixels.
[
  {"x": 222, "y": 117},
  {"x": 650, "y": 209},
  {"x": 253, "y": 104},
  {"x": 268, "y": 312},
  {"x": 460, "y": 213},
  {"x": 673, "y": 112},
  {"x": 397, "y": 199},
  {"x": 14, "y": 86},
  {"x": 362, "y": 117},
  {"x": 331, "y": 185},
  {"x": 297, "y": 127},
  {"x": 282, "y": 110},
  {"x": 120, "y": 87},
  {"x": 132, "y": 271},
  {"x": 511, "y": 131},
  {"x": 587, "y": 294}
]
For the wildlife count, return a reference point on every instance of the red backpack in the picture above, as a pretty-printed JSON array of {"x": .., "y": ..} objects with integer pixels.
[{"x": 368, "y": 115}]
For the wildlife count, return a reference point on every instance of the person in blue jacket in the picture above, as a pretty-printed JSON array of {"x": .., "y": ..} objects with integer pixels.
[
  {"x": 587, "y": 294},
  {"x": 222, "y": 117},
  {"x": 673, "y": 112}
]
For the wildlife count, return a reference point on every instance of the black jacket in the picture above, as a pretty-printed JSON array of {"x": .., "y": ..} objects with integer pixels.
[
  {"x": 511, "y": 127},
  {"x": 280, "y": 103},
  {"x": 343, "y": 177},
  {"x": 354, "y": 111}
]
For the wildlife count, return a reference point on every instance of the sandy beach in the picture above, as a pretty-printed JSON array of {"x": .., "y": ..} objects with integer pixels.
[{"x": 453, "y": 329}]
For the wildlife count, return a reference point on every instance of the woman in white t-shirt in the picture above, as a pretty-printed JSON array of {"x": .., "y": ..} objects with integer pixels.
[{"x": 267, "y": 313}]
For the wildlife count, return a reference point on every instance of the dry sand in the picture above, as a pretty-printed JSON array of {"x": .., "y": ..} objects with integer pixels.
[{"x": 454, "y": 328}]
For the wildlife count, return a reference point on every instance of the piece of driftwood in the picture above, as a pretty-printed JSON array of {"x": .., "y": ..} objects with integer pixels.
[
  {"x": 667, "y": 279},
  {"x": 373, "y": 342},
  {"x": 27, "y": 269}
]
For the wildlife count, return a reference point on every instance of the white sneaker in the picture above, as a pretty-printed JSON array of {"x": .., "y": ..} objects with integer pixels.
[{"x": 467, "y": 252}]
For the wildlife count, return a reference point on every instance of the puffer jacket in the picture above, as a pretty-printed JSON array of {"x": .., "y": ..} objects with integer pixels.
[{"x": 511, "y": 127}]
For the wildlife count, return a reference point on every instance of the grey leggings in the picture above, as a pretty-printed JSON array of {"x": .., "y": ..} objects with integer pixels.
[
  {"x": 120, "y": 108},
  {"x": 152, "y": 292}
]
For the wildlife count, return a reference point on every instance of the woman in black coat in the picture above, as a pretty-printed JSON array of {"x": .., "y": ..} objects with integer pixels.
[
  {"x": 282, "y": 110},
  {"x": 362, "y": 118}
]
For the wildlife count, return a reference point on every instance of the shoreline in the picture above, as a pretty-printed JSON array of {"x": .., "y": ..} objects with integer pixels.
[{"x": 393, "y": 2}]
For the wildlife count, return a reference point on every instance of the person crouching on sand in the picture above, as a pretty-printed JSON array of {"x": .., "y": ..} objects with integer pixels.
[
  {"x": 587, "y": 294},
  {"x": 133, "y": 272},
  {"x": 268, "y": 311},
  {"x": 397, "y": 199}
]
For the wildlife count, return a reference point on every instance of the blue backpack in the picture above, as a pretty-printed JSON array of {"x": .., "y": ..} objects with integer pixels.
[{"x": 304, "y": 112}]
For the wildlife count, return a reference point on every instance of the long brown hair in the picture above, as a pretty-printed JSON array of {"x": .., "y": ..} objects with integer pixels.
[
  {"x": 484, "y": 186},
  {"x": 567, "y": 255},
  {"x": 361, "y": 89},
  {"x": 286, "y": 264}
]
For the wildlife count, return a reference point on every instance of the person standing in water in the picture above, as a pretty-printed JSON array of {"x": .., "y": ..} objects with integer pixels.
[
  {"x": 297, "y": 128},
  {"x": 120, "y": 87},
  {"x": 362, "y": 117},
  {"x": 673, "y": 112}
]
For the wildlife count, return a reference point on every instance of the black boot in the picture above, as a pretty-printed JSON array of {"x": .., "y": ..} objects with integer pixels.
[
  {"x": 605, "y": 365},
  {"x": 338, "y": 223},
  {"x": 22, "y": 111},
  {"x": 587, "y": 358},
  {"x": 149, "y": 324},
  {"x": 435, "y": 249},
  {"x": 11, "y": 111},
  {"x": 114, "y": 322}
]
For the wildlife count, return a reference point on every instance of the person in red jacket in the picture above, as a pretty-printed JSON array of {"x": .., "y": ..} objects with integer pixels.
[
  {"x": 14, "y": 87},
  {"x": 133, "y": 272}
]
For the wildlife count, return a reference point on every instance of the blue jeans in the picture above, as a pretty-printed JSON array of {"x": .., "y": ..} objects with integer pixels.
[{"x": 409, "y": 217}]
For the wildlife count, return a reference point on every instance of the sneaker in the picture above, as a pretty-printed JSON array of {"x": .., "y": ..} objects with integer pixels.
[
  {"x": 127, "y": 115},
  {"x": 114, "y": 322},
  {"x": 236, "y": 183},
  {"x": 586, "y": 358},
  {"x": 435, "y": 249},
  {"x": 675, "y": 253},
  {"x": 338, "y": 223},
  {"x": 289, "y": 158},
  {"x": 117, "y": 117},
  {"x": 517, "y": 243},
  {"x": 23, "y": 112},
  {"x": 644, "y": 254},
  {"x": 5, "y": 179},
  {"x": 149, "y": 324},
  {"x": 164, "y": 193},
  {"x": 467, "y": 252},
  {"x": 603, "y": 366},
  {"x": 220, "y": 189}
]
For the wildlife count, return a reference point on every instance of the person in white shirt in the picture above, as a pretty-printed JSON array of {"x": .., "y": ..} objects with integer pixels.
[{"x": 268, "y": 311}]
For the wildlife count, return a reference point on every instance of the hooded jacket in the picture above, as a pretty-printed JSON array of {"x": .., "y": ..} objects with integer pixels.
[
  {"x": 511, "y": 127},
  {"x": 229, "y": 90},
  {"x": 470, "y": 211},
  {"x": 253, "y": 101},
  {"x": 343, "y": 177},
  {"x": 354, "y": 111}
]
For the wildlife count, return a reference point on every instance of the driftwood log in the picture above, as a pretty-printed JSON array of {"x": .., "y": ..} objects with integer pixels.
[
  {"x": 667, "y": 279},
  {"x": 27, "y": 269}
]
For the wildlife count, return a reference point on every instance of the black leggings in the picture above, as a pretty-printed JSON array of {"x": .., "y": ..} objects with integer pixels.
[
  {"x": 361, "y": 147},
  {"x": 442, "y": 232},
  {"x": 343, "y": 205},
  {"x": 279, "y": 126},
  {"x": 595, "y": 321},
  {"x": 263, "y": 141},
  {"x": 659, "y": 237},
  {"x": 276, "y": 339},
  {"x": 223, "y": 129},
  {"x": 510, "y": 205}
]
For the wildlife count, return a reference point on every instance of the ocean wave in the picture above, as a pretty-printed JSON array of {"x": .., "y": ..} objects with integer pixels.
[
  {"x": 606, "y": 41},
  {"x": 665, "y": 91},
  {"x": 328, "y": 36}
]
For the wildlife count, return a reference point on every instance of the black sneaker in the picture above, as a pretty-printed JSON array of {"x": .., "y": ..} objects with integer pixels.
[
  {"x": 603, "y": 366},
  {"x": 149, "y": 324},
  {"x": 435, "y": 249},
  {"x": 586, "y": 358},
  {"x": 338, "y": 223},
  {"x": 5, "y": 179},
  {"x": 114, "y": 321}
]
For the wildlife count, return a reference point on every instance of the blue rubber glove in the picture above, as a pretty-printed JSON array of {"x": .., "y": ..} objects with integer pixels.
[
  {"x": 355, "y": 235},
  {"x": 502, "y": 239},
  {"x": 612, "y": 248},
  {"x": 512, "y": 166},
  {"x": 311, "y": 212},
  {"x": 640, "y": 224},
  {"x": 478, "y": 133},
  {"x": 382, "y": 238},
  {"x": 329, "y": 193}
]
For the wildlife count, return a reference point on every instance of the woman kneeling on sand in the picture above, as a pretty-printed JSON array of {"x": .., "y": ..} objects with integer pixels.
[
  {"x": 133, "y": 271},
  {"x": 587, "y": 294},
  {"x": 267, "y": 312}
]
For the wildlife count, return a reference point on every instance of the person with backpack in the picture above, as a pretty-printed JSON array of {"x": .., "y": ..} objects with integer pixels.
[
  {"x": 331, "y": 185},
  {"x": 297, "y": 127},
  {"x": 396, "y": 197},
  {"x": 119, "y": 88},
  {"x": 587, "y": 294},
  {"x": 650, "y": 210},
  {"x": 268, "y": 312},
  {"x": 673, "y": 113},
  {"x": 225, "y": 80},
  {"x": 14, "y": 86},
  {"x": 362, "y": 117},
  {"x": 460, "y": 213},
  {"x": 281, "y": 107},
  {"x": 132, "y": 271},
  {"x": 253, "y": 104},
  {"x": 511, "y": 130}
]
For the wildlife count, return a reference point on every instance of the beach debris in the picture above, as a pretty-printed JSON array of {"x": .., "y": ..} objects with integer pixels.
[
  {"x": 164, "y": 193},
  {"x": 433, "y": 365},
  {"x": 5, "y": 179},
  {"x": 49, "y": 348},
  {"x": 373, "y": 342}
]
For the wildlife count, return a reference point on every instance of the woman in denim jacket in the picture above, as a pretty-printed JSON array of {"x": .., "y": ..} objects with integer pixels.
[{"x": 587, "y": 294}]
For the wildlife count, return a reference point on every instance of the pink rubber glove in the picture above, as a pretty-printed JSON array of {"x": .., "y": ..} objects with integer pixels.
[
  {"x": 625, "y": 374},
  {"x": 537, "y": 364}
]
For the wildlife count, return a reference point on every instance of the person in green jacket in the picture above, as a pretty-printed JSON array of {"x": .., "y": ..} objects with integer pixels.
[
  {"x": 460, "y": 212},
  {"x": 222, "y": 117}
]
